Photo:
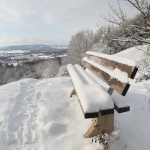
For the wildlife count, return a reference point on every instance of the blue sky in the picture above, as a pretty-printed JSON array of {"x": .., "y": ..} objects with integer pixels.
[{"x": 51, "y": 21}]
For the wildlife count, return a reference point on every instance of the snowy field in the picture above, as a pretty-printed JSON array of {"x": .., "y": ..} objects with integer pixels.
[
  {"x": 16, "y": 57},
  {"x": 40, "y": 115}
]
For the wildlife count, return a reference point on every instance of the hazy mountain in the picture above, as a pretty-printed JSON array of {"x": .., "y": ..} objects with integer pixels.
[{"x": 32, "y": 47}]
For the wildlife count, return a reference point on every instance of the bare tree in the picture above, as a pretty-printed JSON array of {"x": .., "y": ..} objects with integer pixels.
[
  {"x": 79, "y": 44},
  {"x": 102, "y": 41},
  {"x": 131, "y": 31}
]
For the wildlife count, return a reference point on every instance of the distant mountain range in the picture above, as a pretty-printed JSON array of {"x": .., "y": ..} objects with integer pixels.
[{"x": 33, "y": 47}]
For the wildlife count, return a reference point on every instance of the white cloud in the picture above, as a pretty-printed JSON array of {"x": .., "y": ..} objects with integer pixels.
[
  {"x": 49, "y": 10},
  {"x": 67, "y": 16}
]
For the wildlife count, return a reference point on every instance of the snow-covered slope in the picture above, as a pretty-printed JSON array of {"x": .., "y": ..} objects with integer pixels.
[
  {"x": 141, "y": 55},
  {"x": 40, "y": 115}
]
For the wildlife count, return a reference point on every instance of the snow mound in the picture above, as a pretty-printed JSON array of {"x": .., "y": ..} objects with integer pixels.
[
  {"x": 40, "y": 115},
  {"x": 141, "y": 55}
]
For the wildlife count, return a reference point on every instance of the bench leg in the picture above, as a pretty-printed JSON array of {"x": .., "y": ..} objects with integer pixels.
[
  {"x": 72, "y": 92},
  {"x": 101, "y": 124}
]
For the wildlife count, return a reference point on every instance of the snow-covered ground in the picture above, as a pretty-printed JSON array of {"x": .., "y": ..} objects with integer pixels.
[{"x": 40, "y": 115}]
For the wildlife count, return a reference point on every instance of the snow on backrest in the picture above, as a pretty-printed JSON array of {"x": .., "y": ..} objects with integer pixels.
[
  {"x": 113, "y": 70},
  {"x": 112, "y": 62}
]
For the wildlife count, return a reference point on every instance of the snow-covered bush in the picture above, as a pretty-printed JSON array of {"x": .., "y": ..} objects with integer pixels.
[
  {"x": 139, "y": 54},
  {"x": 143, "y": 69},
  {"x": 35, "y": 69},
  {"x": 62, "y": 71},
  {"x": 102, "y": 41},
  {"x": 47, "y": 69},
  {"x": 102, "y": 48}
]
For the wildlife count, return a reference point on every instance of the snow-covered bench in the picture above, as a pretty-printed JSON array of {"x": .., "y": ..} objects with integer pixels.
[{"x": 95, "y": 101}]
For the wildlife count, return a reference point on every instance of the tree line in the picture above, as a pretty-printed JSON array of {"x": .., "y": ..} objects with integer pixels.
[{"x": 121, "y": 34}]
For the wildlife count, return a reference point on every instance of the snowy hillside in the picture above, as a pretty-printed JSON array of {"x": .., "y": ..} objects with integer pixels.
[
  {"x": 40, "y": 115},
  {"x": 141, "y": 55},
  {"x": 17, "y": 57},
  {"x": 19, "y": 64}
]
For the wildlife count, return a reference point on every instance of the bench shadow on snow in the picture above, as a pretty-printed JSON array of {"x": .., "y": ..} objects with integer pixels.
[
  {"x": 57, "y": 129},
  {"x": 54, "y": 129}
]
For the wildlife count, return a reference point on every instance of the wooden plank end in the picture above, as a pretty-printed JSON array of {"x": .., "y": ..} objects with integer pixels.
[
  {"x": 134, "y": 73},
  {"x": 125, "y": 89},
  {"x": 107, "y": 111},
  {"x": 95, "y": 114},
  {"x": 90, "y": 115},
  {"x": 122, "y": 109}
]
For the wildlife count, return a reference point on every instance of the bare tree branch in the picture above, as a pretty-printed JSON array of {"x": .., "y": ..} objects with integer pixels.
[{"x": 132, "y": 32}]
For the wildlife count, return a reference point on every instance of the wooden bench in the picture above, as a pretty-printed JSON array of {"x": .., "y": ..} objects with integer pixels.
[{"x": 95, "y": 101}]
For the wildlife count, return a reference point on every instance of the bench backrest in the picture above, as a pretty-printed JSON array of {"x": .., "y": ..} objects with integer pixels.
[{"x": 115, "y": 71}]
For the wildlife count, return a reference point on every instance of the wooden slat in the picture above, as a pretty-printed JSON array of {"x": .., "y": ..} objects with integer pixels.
[
  {"x": 130, "y": 70},
  {"x": 134, "y": 73},
  {"x": 122, "y": 109},
  {"x": 119, "y": 109},
  {"x": 95, "y": 114},
  {"x": 120, "y": 87}
]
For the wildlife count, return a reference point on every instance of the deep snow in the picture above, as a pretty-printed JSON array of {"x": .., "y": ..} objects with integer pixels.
[{"x": 40, "y": 115}]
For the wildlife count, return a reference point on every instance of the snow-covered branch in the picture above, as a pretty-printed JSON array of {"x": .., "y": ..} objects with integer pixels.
[{"x": 133, "y": 31}]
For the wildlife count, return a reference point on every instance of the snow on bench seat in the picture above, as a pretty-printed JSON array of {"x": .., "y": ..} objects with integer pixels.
[{"x": 92, "y": 96}]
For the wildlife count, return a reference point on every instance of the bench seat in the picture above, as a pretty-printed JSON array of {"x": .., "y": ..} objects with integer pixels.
[{"x": 93, "y": 98}]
